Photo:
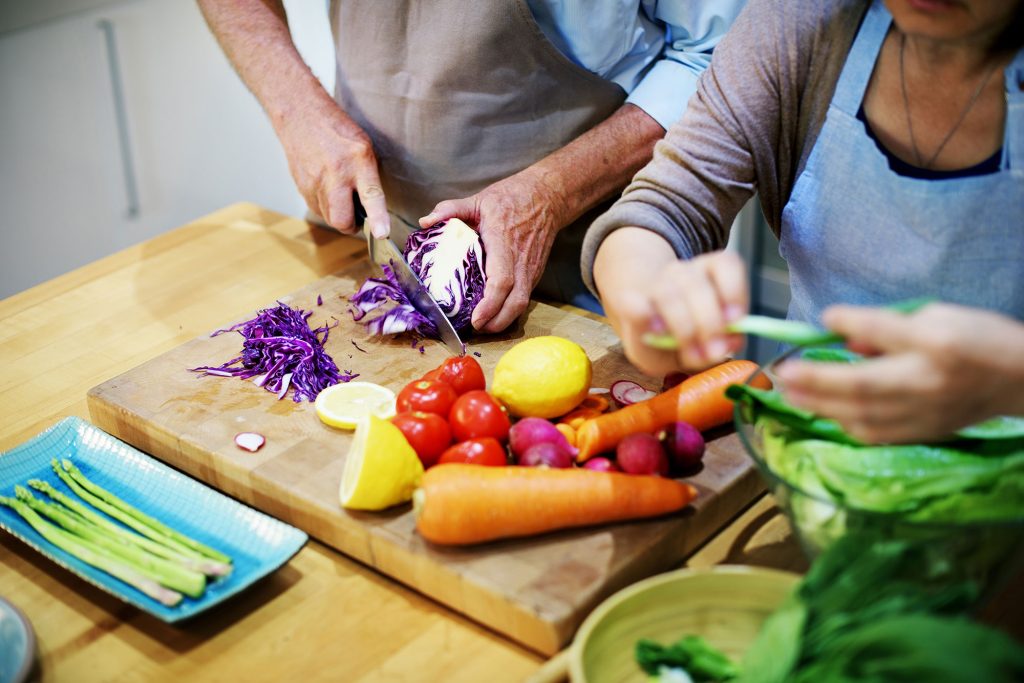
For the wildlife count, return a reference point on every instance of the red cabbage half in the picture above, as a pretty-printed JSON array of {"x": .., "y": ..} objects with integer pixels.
[
  {"x": 281, "y": 351},
  {"x": 448, "y": 257}
]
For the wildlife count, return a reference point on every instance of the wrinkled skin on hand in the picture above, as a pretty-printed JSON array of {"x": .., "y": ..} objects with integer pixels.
[
  {"x": 517, "y": 219},
  {"x": 645, "y": 288},
  {"x": 932, "y": 372},
  {"x": 330, "y": 157}
]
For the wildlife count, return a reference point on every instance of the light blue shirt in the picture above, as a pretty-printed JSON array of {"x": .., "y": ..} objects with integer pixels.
[{"x": 654, "y": 50}]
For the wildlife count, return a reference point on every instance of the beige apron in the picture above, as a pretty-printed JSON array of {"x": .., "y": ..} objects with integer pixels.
[{"x": 457, "y": 95}]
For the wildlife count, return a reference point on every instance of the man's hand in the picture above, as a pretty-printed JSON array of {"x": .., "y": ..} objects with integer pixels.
[
  {"x": 517, "y": 219},
  {"x": 937, "y": 370},
  {"x": 331, "y": 157}
]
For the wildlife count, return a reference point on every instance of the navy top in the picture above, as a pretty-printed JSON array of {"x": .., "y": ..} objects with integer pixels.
[{"x": 990, "y": 165}]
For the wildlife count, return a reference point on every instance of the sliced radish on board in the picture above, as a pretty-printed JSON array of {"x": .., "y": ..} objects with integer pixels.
[
  {"x": 249, "y": 441},
  {"x": 627, "y": 392}
]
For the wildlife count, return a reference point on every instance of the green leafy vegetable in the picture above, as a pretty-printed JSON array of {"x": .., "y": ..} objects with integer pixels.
[{"x": 692, "y": 654}]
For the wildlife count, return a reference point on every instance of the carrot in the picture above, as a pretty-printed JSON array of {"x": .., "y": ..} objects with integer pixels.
[
  {"x": 699, "y": 399},
  {"x": 461, "y": 504},
  {"x": 568, "y": 432},
  {"x": 594, "y": 402},
  {"x": 578, "y": 417}
]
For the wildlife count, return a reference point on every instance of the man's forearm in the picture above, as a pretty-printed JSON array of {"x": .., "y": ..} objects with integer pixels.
[
  {"x": 255, "y": 37},
  {"x": 599, "y": 163}
]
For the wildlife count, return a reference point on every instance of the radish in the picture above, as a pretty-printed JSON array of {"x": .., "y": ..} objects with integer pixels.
[
  {"x": 531, "y": 431},
  {"x": 642, "y": 453},
  {"x": 249, "y": 441},
  {"x": 627, "y": 392},
  {"x": 546, "y": 454},
  {"x": 601, "y": 464},
  {"x": 685, "y": 445}
]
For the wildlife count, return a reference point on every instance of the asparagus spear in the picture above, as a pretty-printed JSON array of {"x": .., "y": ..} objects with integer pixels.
[
  {"x": 191, "y": 560},
  {"x": 165, "y": 572},
  {"x": 93, "y": 554},
  {"x": 129, "y": 515}
]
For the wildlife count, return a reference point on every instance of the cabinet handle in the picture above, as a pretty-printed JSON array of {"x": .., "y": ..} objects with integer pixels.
[{"x": 121, "y": 113}]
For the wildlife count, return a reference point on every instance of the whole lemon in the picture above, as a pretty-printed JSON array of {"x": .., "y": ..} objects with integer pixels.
[{"x": 542, "y": 377}]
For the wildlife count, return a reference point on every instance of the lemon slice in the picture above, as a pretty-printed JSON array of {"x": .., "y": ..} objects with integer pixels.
[
  {"x": 381, "y": 468},
  {"x": 345, "y": 405}
]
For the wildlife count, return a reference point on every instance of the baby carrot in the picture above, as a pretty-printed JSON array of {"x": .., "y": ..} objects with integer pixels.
[
  {"x": 699, "y": 399},
  {"x": 463, "y": 504}
]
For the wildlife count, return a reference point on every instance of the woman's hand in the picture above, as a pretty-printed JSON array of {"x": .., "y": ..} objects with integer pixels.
[
  {"x": 517, "y": 219},
  {"x": 331, "y": 157},
  {"x": 937, "y": 370},
  {"x": 645, "y": 288}
]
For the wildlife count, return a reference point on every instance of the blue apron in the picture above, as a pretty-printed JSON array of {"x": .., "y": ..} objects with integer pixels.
[{"x": 854, "y": 231}]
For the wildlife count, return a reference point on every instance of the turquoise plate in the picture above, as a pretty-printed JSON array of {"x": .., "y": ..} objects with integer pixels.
[{"x": 257, "y": 543}]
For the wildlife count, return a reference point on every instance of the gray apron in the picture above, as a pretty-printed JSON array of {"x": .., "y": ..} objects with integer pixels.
[
  {"x": 854, "y": 231},
  {"x": 457, "y": 95}
]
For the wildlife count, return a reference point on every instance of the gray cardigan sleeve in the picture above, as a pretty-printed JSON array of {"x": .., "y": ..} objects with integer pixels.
[{"x": 749, "y": 128}]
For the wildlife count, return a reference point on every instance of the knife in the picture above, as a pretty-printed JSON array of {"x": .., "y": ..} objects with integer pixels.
[{"x": 383, "y": 251}]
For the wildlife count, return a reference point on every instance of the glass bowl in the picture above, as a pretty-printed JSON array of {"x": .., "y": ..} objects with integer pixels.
[{"x": 989, "y": 553}]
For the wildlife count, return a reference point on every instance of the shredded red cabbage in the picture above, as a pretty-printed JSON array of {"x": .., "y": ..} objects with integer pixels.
[{"x": 281, "y": 350}]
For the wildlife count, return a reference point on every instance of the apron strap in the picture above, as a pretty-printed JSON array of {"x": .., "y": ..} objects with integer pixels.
[
  {"x": 853, "y": 81},
  {"x": 1013, "y": 145}
]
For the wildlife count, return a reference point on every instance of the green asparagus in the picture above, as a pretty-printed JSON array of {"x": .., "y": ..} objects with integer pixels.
[
  {"x": 93, "y": 554},
  {"x": 129, "y": 515},
  {"x": 165, "y": 572},
  {"x": 189, "y": 561}
]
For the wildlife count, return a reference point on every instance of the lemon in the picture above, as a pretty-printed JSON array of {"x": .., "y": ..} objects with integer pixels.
[
  {"x": 381, "y": 468},
  {"x": 542, "y": 377},
  {"x": 345, "y": 405}
]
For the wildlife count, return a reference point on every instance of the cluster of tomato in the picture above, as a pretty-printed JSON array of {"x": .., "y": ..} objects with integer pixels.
[{"x": 448, "y": 416}]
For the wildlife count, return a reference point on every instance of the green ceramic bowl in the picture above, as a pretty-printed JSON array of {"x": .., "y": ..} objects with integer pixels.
[{"x": 726, "y": 605}]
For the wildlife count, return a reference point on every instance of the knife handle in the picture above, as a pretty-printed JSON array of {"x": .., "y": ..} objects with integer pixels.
[{"x": 360, "y": 212}]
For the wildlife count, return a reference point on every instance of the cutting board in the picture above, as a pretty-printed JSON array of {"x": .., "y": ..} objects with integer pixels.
[{"x": 535, "y": 591}]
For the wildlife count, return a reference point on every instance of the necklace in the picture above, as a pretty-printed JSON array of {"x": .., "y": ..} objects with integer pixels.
[{"x": 963, "y": 115}]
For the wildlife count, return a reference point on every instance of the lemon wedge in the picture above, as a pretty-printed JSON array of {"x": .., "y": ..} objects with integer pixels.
[
  {"x": 345, "y": 405},
  {"x": 381, "y": 468}
]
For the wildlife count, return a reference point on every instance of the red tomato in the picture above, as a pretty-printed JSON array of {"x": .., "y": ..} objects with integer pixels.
[
  {"x": 476, "y": 414},
  {"x": 426, "y": 395},
  {"x": 463, "y": 373},
  {"x": 483, "y": 451},
  {"x": 432, "y": 374},
  {"x": 427, "y": 433}
]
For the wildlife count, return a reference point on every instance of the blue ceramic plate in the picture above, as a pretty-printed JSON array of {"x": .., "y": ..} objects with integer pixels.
[
  {"x": 17, "y": 644},
  {"x": 258, "y": 544}
]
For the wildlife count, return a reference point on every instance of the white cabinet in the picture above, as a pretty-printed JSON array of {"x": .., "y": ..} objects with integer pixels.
[{"x": 118, "y": 123}]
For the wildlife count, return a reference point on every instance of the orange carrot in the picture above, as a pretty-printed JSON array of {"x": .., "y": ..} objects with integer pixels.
[
  {"x": 699, "y": 399},
  {"x": 594, "y": 402},
  {"x": 578, "y": 417},
  {"x": 461, "y": 504},
  {"x": 568, "y": 432}
]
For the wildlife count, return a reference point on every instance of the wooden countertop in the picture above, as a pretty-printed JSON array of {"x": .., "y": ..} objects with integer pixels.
[{"x": 322, "y": 616}]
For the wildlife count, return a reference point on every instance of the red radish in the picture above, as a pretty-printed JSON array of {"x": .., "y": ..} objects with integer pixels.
[
  {"x": 642, "y": 453},
  {"x": 601, "y": 464},
  {"x": 546, "y": 454},
  {"x": 685, "y": 445},
  {"x": 627, "y": 392},
  {"x": 534, "y": 430},
  {"x": 249, "y": 441}
]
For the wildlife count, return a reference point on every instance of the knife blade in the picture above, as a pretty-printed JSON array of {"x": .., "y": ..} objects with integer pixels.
[{"x": 383, "y": 251}]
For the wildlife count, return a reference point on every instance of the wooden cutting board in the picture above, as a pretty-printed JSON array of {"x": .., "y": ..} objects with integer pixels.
[{"x": 536, "y": 590}]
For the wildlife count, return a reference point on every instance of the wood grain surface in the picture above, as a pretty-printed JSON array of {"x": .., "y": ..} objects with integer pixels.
[{"x": 534, "y": 590}]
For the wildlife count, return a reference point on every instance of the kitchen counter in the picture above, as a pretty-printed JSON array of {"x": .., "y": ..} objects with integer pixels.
[{"x": 322, "y": 616}]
